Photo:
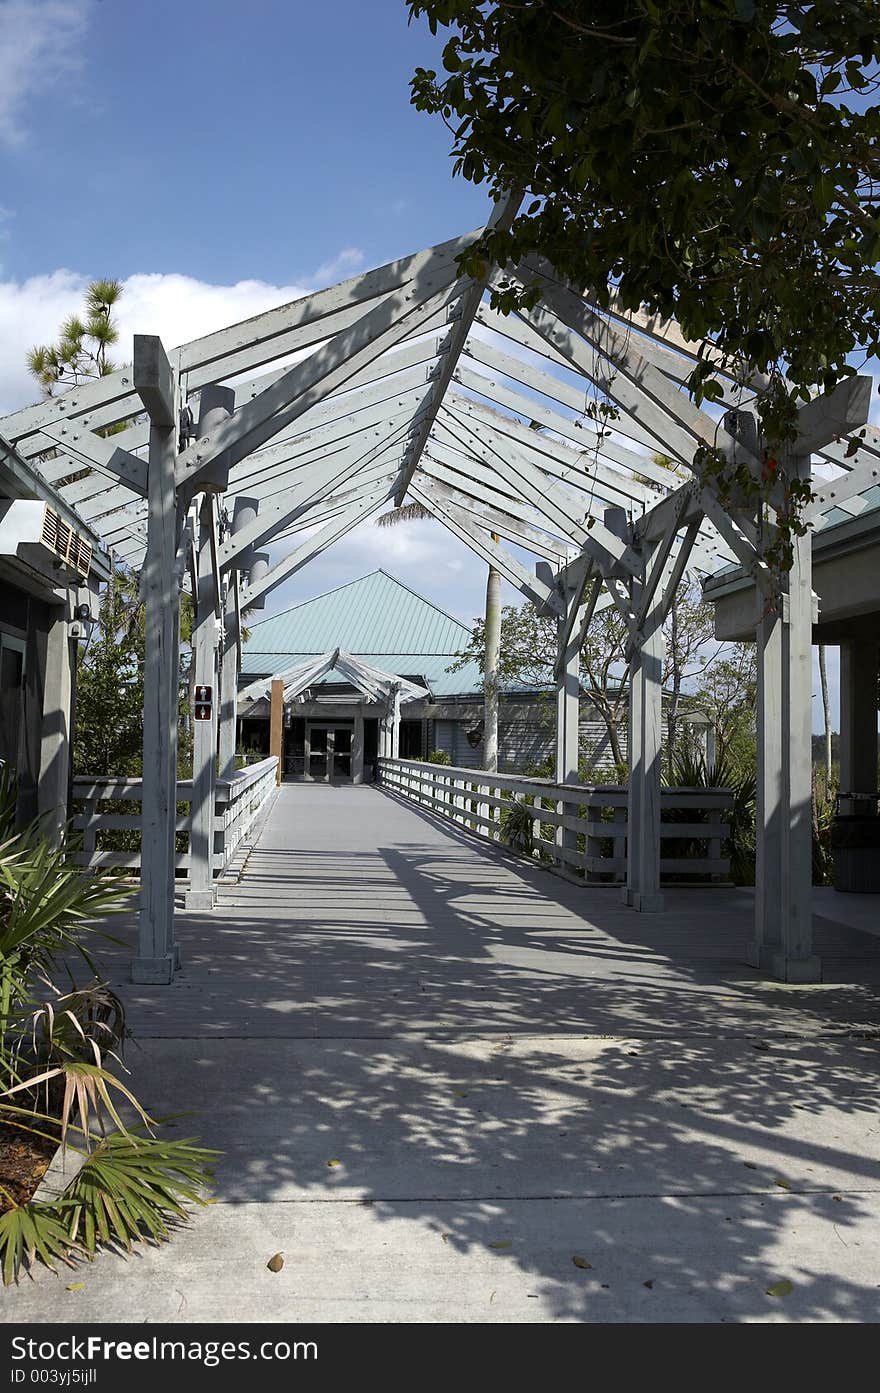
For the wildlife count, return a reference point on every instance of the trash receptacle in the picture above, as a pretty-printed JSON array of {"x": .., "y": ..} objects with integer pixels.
[{"x": 855, "y": 843}]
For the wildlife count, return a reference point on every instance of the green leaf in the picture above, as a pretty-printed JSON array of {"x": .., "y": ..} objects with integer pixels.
[{"x": 783, "y": 1288}]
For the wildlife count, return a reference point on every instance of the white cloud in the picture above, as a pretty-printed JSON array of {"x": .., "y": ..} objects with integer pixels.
[
  {"x": 423, "y": 555},
  {"x": 177, "y": 308},
  {"x": 347, "y": 263},
  {"x": 39, "y": 50}
]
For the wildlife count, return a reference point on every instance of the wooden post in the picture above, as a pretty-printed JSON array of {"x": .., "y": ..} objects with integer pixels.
[
  {"x": 228, "y": 681},
  {"x": 245, "y": 511},
  {"x": 568, "y": 688},
  {"x": 768, "y": 843},
  {"x": 276, "y": 726},
  {"x": 157, "y": 954},
  {"x": 795, "y": 960},
  {"x": 645, "y": 746},
  {"x": 204, "y": 656},
  {"x": 490, "y": 675},
  {"x": 54, "y": 781},
  {"x": 395, "y": 724},
  {"x": 357, "y": 750},
  {"x": 649, "y": 898}
]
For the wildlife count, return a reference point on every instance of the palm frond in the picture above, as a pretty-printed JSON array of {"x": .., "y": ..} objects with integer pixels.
[
  {"x": 29, "y": 1231},
  {"x": 408, "y": 512},
  {"x": 130, "y": 1187}
]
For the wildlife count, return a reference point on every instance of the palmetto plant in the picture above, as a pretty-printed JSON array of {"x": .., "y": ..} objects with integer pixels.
[
  {"x": 517, "y": 826},
  {"x": 46, "y": 904},
  {"x": 129, "y": 1188},
  {"x": 131, "y": 1184},
  {"x": 689, "y": 770}
]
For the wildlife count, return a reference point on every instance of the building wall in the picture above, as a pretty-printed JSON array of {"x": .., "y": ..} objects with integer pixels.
[
  {"x": 24, "y": 617},
  {"x": 524, "y": 740}
]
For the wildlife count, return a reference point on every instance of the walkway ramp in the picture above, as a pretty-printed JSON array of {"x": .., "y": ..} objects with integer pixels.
[{"x": 440, "y": 1075}]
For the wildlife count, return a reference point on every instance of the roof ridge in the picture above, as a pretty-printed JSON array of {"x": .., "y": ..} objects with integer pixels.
[
  {"x": 312, "y": 598},
  {"x": 379, "y": 571},
  {"x": 403, "y": 585}
]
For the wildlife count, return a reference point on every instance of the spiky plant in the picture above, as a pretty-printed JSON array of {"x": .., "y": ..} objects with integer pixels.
[
  {"x": 130, "y": 1188},
  {"x": 407, "y": 512}
]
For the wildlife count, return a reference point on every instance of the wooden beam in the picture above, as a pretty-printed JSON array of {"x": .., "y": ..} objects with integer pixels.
[
  {"x": 457, "y": 521},
  {"x": 833, "y": 414},
  {"x": 503, "y": 215}
]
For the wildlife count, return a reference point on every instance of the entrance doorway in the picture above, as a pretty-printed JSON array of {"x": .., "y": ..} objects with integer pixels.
[{"x": 329, "y": 752}]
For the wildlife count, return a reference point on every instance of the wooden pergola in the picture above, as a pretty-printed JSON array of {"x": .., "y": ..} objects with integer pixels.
[{"x": 539, "y": 429}]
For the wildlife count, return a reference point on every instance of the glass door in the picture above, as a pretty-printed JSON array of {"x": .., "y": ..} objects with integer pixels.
[
  {"x": 319, "y": 752},
  {"x": 341, "y": 753}
]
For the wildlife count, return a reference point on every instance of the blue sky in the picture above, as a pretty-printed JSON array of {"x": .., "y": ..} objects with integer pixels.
[
  {"x": 226, "y": 140},
  {"x": 220, "y": 157}
]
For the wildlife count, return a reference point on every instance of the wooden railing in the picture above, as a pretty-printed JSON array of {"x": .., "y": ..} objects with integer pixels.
[
  {"x": 111, "y": 834},
  {"x": 580, "y": 827}
]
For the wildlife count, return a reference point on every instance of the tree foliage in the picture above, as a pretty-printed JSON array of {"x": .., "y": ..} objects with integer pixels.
[
  {"x": 727, "y": 692},
  {"x": 109, "y": 730},
  {"x": 528, "y": 657},
  {"x": 715, "y": 160},
  {"x": 81, "y": 350}
]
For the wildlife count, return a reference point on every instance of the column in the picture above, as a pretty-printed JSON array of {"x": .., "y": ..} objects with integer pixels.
[
  {"x": 204, "y": 657},
  {"x": 394, "y": 751},
  {"x": 54, "y": 780},
  {"x": 276, "y": 727},
  {"x": 768, "y": 824},
  {"x": 795, "y": 960},
  {"x": 568, "y": 688},
  {"x": 634, "y": 759},
  {"x": 648, "y": 898},
  {"x": 228, "y": 680},
  {"x": 157, "y": 954},
  {"x": 490, "y": 675},
  {"x": 357, "y": 749},
  {"x": 644, "y": 747},
  {"x": 245, "y": 511}
]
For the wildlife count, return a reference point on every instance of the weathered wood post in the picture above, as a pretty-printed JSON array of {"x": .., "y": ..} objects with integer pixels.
[
  {"x": 769, "y": 811},
  {"x": 568, "y": 688},
  {"x": 276, "y": 727},
  {"x": 155, "y": 383},
  {"x": 204, "y": 657},
  {"x": 795, "y": 960},
  {"x": 357, "y": 750},
  {"x": 394, "y": 751},
  {"x": 216, "y": 406},
  {"x": 245, "y": 511},
  {"x": 54, "y": 781},
  {"x": 784, "y": 918},
  {"x": 645, "y": 737}
]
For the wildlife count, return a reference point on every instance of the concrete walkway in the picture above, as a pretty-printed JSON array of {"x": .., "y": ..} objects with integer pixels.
[{"x": 439, "y": 1076}]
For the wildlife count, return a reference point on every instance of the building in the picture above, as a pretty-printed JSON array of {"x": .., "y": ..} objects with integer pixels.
[
  {"x": 394, "y": 633},
  {"x": 51, "y": 565}
]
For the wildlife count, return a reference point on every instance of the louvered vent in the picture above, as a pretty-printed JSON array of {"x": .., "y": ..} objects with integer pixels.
[{"x": 66, "y": 544}]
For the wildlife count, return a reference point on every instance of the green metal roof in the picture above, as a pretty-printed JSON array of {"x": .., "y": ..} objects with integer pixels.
[
  {"x": 376, "y": 618},
  {"x": 432, "y": 667}
]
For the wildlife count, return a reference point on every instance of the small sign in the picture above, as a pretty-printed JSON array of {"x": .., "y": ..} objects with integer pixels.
[{"x": 202, "y": 703}]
